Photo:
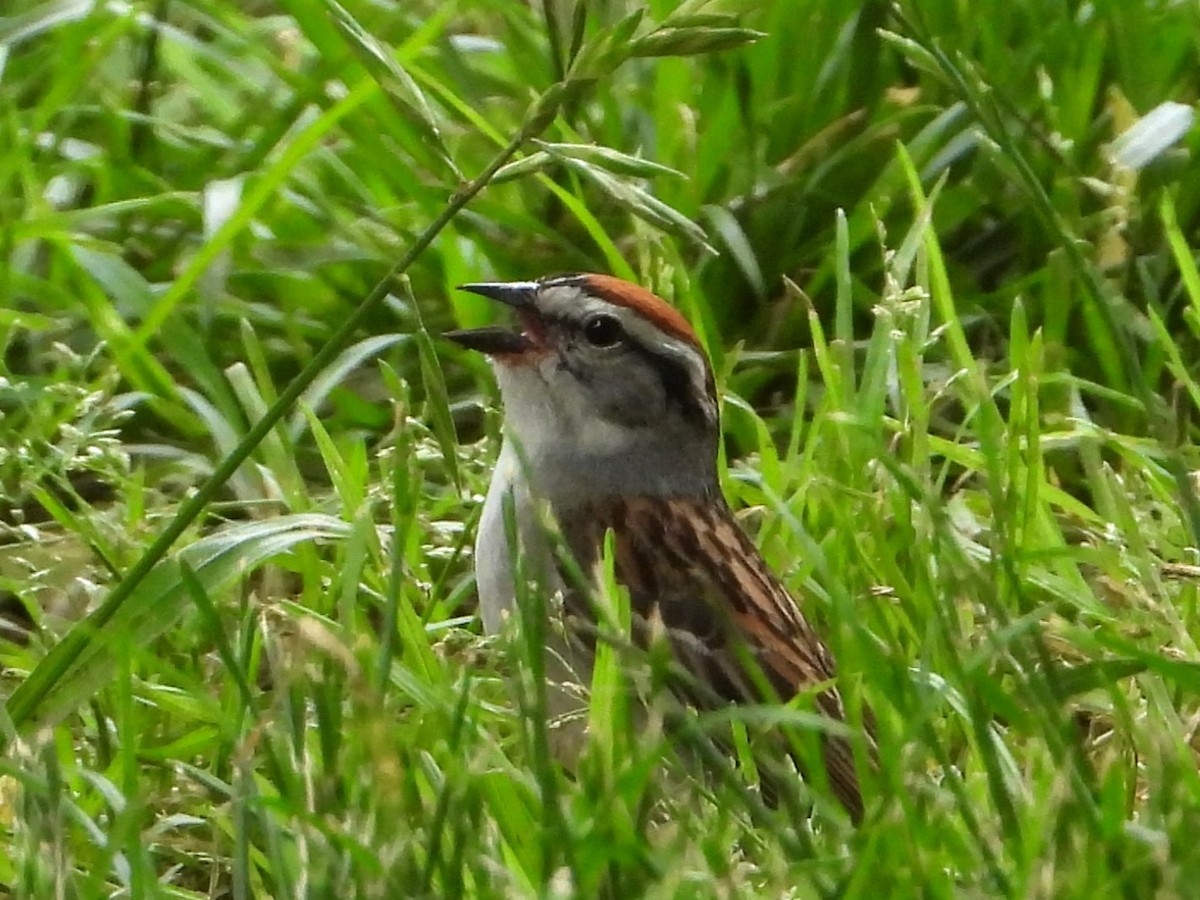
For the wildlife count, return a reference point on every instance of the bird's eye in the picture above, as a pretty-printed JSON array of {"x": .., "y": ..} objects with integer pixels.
[{"x": 603, "y": 331}]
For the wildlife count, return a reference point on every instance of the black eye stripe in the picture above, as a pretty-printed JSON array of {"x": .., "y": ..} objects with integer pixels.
[
  {"x": 674, "y": 373},
  {"x": 676, "y": 381}
]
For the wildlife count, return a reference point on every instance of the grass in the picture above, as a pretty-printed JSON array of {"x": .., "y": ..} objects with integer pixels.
[{"x": 954, "y": 309}]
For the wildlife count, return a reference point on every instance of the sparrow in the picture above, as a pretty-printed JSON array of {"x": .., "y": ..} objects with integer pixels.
[{"x": 611, "y": 422}]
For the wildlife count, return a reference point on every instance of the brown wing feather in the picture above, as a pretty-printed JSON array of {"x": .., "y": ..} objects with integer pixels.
[{"x": 688, "y": 563}]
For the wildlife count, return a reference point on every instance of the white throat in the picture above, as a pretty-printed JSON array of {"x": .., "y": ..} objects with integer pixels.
[{"x": 568, "y": 455}]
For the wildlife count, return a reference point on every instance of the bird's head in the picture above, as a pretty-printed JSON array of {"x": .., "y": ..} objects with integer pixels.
[{"x": 602, "y": 373}]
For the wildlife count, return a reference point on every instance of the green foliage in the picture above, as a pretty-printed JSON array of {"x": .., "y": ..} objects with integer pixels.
[{"x": 943, "y": 256}]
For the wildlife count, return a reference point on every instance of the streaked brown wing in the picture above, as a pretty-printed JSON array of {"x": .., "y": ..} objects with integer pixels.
[{"x": 689, "y": 564}]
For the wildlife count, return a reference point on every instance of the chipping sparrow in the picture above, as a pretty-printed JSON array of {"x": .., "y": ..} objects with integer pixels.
[{"x": 611, "y": 421}]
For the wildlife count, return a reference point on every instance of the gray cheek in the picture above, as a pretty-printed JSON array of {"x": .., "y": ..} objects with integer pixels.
[{"x": 634, "y": 398}]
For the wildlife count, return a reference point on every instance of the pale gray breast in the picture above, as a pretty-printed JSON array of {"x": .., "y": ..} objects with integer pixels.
[{"x": 494, "y": 558}]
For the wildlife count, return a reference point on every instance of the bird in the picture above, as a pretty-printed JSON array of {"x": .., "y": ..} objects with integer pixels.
[{"x": 611, "y": 422}]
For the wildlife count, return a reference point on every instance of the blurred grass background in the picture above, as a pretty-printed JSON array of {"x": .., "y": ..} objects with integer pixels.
[{"x": 942, "y": 255}]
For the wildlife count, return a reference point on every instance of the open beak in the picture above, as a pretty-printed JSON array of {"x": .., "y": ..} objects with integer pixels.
[{"x": 498, "y": 341}]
